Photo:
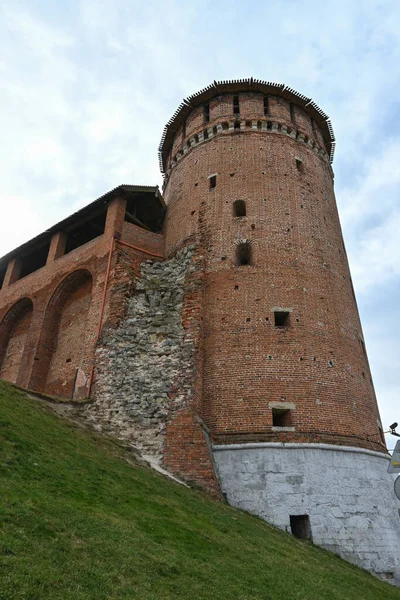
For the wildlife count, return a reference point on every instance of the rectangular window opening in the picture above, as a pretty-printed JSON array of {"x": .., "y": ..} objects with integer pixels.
[
  {"x": 81, "y": 233},
  {"x": 300, "y": 526},
  {"x": 282, "y": 318},
  {"x": 266, "y": 106},
  {"x": 244, "y": 254},
  {"x": 143, "y": 212},
  {"x": 34, "y": 260},
  {"x": 213, "y": 181},
  {"x": 206, "y": 113},
  {"x": 239, "y": 208},
  {"x": 236, "y": 107},
  {"x": 281, "y": 417}
]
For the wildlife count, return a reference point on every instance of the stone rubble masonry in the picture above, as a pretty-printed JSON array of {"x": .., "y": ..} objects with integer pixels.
[
  {"x": 138, "y": 362},
  {"x": 146, "y": 369}
]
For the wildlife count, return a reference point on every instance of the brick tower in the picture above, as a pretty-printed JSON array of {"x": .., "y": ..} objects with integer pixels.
[{"x": 287, "y": 393}]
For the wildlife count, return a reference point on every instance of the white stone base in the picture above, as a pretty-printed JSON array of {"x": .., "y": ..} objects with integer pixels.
[{"x": 346, "y": 492}]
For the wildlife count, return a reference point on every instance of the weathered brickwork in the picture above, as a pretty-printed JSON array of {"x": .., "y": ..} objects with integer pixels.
[
  {"x": 299, "y": 264},
  {"x": 138, "y": 362},
  {"x": 219, "y": 331},
  {"x": 49, "y": 319},
  {"x": 18, "y": 332},
  {"x": 283, "y": 356}
]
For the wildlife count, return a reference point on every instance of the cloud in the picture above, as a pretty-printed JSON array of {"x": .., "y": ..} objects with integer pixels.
[
  {"x": 87, "y": 87},
  {"x": 371, "y": 217}
]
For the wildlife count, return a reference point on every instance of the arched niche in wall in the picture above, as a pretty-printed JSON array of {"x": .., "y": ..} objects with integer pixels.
[
  {"x": 61, "y": 366},
  {"x": 14, "y": 329}
]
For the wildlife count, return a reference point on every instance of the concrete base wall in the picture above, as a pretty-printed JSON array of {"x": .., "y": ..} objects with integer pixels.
[{"x": 346, "y": 492}]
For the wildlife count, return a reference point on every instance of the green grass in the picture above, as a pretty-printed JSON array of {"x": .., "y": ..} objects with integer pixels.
[{"x": 78, "y": 522}]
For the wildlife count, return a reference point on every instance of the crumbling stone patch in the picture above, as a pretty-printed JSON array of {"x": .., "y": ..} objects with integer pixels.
[{"x": 139, "y": 363}]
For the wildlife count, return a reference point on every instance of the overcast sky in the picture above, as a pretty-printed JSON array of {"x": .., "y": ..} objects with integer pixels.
[{"x": 87, "y": 87}]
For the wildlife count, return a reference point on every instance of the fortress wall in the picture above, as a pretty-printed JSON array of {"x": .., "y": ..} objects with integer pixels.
[
  {"x": 49, "y": 319},
  {"x": 147, "y": 240},
  {"x": 147, "y": 369},
  {"x": 41, "y": 288}
]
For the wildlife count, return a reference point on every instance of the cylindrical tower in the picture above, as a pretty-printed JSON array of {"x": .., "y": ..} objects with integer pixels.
[
  {"x": 249, "y": 179},
  {"x": 287, "y": 392}
]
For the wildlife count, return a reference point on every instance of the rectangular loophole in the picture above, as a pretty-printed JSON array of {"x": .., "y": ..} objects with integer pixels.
[
  {"x": 206, "y": 113},
  {"x": 282, "y": 318},
  {"x": 266, "y": 106},
  {"x": 300, "y": 526},
  {"x": 243, "y": 254},
  {"x": 236, "y": 107},
  {"x": 281, "y": 417},
  {"x": 213, "y": 181},
  {"x": 239, "y": 208}
]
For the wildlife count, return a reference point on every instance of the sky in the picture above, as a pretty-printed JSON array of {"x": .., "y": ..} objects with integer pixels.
[{"x": 88, "y": 85}]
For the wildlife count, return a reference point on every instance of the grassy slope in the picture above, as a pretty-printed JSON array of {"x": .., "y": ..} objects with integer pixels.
[{"x": 77, "y": 522}]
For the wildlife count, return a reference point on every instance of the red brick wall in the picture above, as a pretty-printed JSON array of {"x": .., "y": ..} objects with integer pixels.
[
  {"x": 299, "y": 263},
  {"x": 15, "y": 345},
  {"x": 48, "y": 289},
  {"x": 69, "y": 369},
  {"x": 67, "y": 296},
  {"x": 251, "y": 108},
  {"x": 187, "y": 453},
  {"x": 147, "y": 240}
]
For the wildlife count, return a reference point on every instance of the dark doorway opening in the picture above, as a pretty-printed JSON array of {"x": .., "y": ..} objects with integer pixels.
[{"x": 300, "y": 526}]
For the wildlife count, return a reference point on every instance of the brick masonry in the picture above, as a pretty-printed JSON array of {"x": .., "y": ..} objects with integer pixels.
[
  {"x": 299, "y": 264},
  {"x": 177, "y": 329}
]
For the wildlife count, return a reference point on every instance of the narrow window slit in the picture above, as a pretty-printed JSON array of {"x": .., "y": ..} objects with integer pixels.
[
  {"x": 206, "y": 113},
  {"x": 236, "y": 107},
  {"x": 266, "y": 106}
]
